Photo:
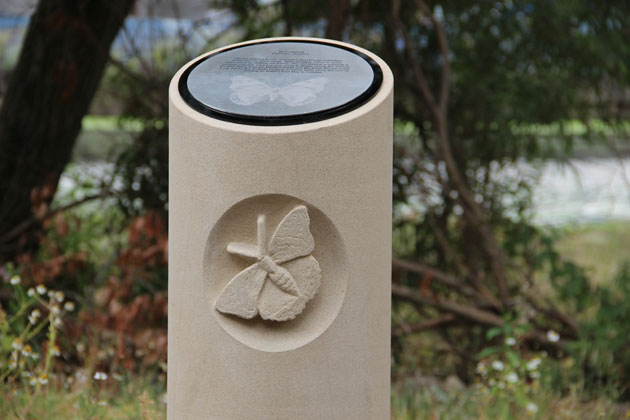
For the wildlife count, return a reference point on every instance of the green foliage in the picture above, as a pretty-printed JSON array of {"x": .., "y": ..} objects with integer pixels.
[
  {"x": 29, "y": 327},
  {"x": 536, "y": 249},
  {"x": 142, "y": 167},
  {"x": 115, "y": 269},
  {"x": 511, "y": 382},
  {"x": 523, "y": 62},
  {"x": 143, "y": 170},
  {"x": 505, "y": 372},
  {"x": 603, "y": 351}
]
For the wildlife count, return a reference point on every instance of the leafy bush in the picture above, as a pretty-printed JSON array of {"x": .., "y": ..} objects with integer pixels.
[
  {"x": 29, "y": 330},
  {"x": 603, "y": 351},
  {"x": 119, "y": 281}
]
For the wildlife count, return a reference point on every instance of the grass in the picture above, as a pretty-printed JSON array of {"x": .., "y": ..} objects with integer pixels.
[
  {"x": 600, "y": 248},
  {"x": 100, "y": 145},
  {"x": 125, "y": 400},
  {"x": 481, "y": 404},
  {"x": 110, "y": 123},
  {"x": 102, "y": 137},
  {"x": 140, "y": 400}
]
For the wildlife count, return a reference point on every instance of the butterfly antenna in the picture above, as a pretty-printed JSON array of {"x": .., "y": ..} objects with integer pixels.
[{"x": 262, "y": 235}]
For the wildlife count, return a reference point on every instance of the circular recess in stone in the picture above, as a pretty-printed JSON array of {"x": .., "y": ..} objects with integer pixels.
[
  {"x": 245, "y": 305},
  {"x": 280, "y": 82}
]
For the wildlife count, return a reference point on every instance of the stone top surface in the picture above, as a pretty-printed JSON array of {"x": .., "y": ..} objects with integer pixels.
[{"x": 280, "y": 82}]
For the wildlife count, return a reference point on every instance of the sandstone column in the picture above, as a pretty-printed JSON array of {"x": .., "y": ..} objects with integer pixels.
[{"x": 280, "y": 233}]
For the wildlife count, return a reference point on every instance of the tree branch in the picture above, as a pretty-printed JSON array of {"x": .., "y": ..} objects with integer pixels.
[
  {"x": 419, "y": 76},
  {"x": 473, "y": 211},
  {"x": 442, "y": 277},
  {"x": 468, "y": 312},
  {"x": 446, "y": 66},
  {"x": 423, "y": 326},
  {"x": 28, "y": 223}
]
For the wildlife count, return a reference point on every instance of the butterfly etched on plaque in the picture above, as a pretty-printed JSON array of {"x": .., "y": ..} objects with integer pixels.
[
  {"x": 283, "y": 275},
  {"x": 247, "y": 91}
]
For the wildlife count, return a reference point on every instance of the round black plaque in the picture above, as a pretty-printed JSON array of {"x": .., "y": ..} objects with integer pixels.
[{"x": 280, "y": 82}]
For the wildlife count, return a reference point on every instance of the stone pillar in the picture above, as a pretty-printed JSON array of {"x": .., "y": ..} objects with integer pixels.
[{"x": 280, "y": 233}]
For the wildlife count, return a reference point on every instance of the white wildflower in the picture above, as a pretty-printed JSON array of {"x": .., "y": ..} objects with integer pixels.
[
  {"x": 100, "y": 376},
  {"x": 497, "y": 365},
  {"x": 510, "y": 341},
  {"x": 481, "y": 369},
  {"x": 43, "y": 379},
  {"x": 553, "y": 336},
  {"x": 56, "y": 309},
  {"x": 511, "y": 378},
  {"x": 34, "y": 316},
  {"x": 55, "y": 351},
  {"x": 531, "y": 408},
  {"x": 30, "y": 292},
  {"x": 15, "y": 280},
  {"x": 69, "y": 306},
  {"x": 27, "y": 350},
  {"x": 59, "y": 296},
  {"x": 41, "y": 289},
  {"x": 17, "y": 344},
  {"x": 534, "y": 363}
]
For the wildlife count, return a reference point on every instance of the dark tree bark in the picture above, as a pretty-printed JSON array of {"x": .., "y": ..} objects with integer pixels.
[
  {"x": 61, "y": 63},
  {"x": 338, "y": 11},
  {"x": 286, "y": 15}
]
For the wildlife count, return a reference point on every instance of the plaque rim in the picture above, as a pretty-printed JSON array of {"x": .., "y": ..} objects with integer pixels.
[{"x": 280, "y": 120}]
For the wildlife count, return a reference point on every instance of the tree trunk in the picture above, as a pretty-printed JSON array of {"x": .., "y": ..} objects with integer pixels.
[
  {"x": 338, "y": 11},
  {"x": 63, "y": 56}
]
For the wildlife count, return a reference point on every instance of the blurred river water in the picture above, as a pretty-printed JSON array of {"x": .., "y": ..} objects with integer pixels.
[
  {"x": 583, "y": 191},
  {"x": 578, "y": 191}
]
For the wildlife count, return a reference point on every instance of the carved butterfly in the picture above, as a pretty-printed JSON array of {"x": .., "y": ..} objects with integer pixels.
[
  {"x": 248, "y": 91},
  {"x": 294, "y": 275}
]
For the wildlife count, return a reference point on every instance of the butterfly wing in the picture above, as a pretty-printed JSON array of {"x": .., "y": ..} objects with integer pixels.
[
  {"x": 302, "y": 93},
  {"x": 277, "y": 305},
  {"x": 248, "y": 91},
  {"x": 292, "y": 238},
  {"x": 240, "y": 295}
]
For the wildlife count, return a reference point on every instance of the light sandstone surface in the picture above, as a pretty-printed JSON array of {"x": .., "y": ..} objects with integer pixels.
[{"x": 300, "y": 216}]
